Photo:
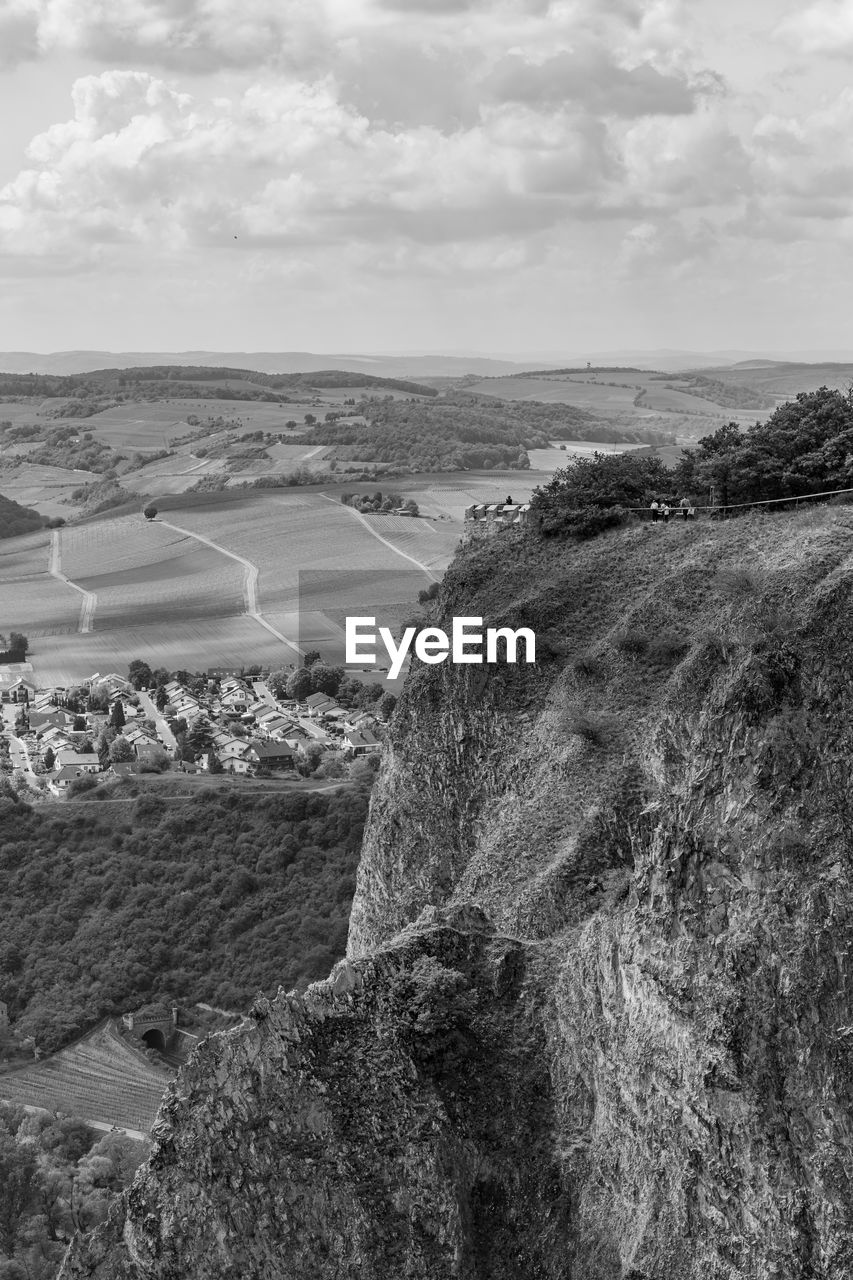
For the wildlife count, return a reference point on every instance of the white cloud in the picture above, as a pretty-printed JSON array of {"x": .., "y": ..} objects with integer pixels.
[{"x": 825, "y": 27}]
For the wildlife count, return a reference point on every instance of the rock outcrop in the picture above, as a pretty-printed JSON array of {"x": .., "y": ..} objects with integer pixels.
[{"x": 596, "y": 1021}]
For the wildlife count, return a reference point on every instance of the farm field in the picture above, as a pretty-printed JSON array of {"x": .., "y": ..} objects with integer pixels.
[
  {"x": 139, "y": 568},
  {"x": 99, "y": 1078},
  {"x": 633, "y": 395},
  {"x": 141, "y": 425},
  {"x": 285, "y": 531},
  {"x": 45, "y": 488},
  {"x": 210, "y": 642},
  {"x": 31, "y": 600},
  {"x": 177, "y": 602}
]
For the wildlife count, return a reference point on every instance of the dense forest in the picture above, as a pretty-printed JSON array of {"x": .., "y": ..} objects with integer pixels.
[
  {"x": 15, "y": 519},
  {"x": 105, "y": 907},
  {"x": 464, "y": 431},
  {"x": 57, "y": 1176}
]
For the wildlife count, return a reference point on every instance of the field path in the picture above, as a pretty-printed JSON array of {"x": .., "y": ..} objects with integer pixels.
[
  {"x": 390, "y": 545},
  {"x": 87, "y": 608},
  {"x": 251, "y": 584}
]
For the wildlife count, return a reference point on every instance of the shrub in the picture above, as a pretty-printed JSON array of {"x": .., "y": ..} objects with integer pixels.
[
  {"x": 631, "y": 641},
  {"x": 667, "y": 647},
  {"x": 598, "y": 729},
  {"x": 740, "y": 580},
  {"x": 589, "y": 665},
  {"x": 582, "y": 522}
]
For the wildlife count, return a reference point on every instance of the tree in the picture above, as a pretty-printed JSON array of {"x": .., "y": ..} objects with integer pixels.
[
  {"x": 121, "y": 752},
  {"x": 139, "y": 673},
  {"x": 80, "y": 725},
  {"x": 17, "y": 1188},
  {"x": 310, "y": 420},
  {"x": 312, "y": 656},
  {"x": 300, "y": 684},
  {"x": 117, "y": 717},
  {"x": 150, "y": 512},
  {"x": 412, "y": 507},
  {"x": 215, "y": 764},
  {"x": 161, "y": 698},
  {"x": 325, "y": 679},
  {"x": 386, "y": 706},
  {"x": 277, "y": 682},
  {"x": 48, "y": 759}
]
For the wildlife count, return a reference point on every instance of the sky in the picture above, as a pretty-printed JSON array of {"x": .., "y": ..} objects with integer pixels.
[{"x": 444, "y": 175}]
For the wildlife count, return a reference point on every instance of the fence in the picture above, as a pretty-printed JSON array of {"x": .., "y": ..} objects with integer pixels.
[{"x": 722, "y": 511}]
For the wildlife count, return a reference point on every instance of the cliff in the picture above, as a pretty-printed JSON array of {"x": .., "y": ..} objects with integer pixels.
[{"x": 597, "y": 1014}]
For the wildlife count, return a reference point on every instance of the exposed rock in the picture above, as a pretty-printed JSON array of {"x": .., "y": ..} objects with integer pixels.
[{"x": 596, "y": 1017}]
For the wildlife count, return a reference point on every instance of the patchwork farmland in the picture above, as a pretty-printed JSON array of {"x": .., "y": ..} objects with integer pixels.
[{"x": 152, "y": 589}]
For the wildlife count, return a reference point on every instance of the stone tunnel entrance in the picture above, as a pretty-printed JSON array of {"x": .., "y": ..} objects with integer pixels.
[{"x": 155, "y": 1039}]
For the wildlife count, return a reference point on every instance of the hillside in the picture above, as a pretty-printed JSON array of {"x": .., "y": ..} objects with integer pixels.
[
  {"x": 107, "y": 906},
  {"x": 595, "y": 1015}
]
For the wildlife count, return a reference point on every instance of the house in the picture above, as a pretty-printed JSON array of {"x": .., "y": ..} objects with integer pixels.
[
  {"x": 275, "y": 755},
  {"x": 235, "y": 700},
  {"x": 66, "y": 775},
  {"x": 19, "y": 689},
  {"x": 86, "y": 762},
  {"x": 317, "y": 703},
  {"x": 362, "y": 744},
  {"x": 112, "y": 684},
  {"x": 124, "y": 769},
  {"x": 236, "y": 764}
]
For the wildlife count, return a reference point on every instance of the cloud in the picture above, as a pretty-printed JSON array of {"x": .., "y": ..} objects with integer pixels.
[
  {"x": 590, "y": 77},
  {"x": 825, "y": 27},
  {"x": 199, "y": 35},
  {"x": 18, "y": 32}
]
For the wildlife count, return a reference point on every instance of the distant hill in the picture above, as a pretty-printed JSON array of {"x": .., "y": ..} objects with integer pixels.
[
  {"x": 15, "y": 519},
  {"x": 418, "y": 366}
]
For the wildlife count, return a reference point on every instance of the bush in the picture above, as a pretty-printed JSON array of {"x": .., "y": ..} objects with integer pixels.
[
  {"x": 588, "y": 665},
  {"x": 740, "y": 580},
  {"x": 667, "y": 647},
  {"x": 582, "y": 522},
  {"x": 631, "y": 641},
  {"x": 598, "y": 729}
]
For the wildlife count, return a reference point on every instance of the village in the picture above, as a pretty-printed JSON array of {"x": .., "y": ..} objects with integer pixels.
[{"x": 62, "y": 742}]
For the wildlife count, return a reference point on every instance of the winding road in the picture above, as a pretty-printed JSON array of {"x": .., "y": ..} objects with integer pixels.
[
  {"x": 250, "y": 586},
  {"x": 90, "y": 600}
]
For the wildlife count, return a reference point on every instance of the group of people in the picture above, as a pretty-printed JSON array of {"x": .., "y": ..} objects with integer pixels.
[{"x": 662, "y": 510}]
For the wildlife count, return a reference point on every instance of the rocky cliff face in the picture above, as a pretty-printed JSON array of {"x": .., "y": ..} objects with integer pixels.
[{"x": 597, "y": 1016}]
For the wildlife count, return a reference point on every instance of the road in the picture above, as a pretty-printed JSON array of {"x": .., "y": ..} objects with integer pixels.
[
  {"x": 19, "y": 756},
  {"x": 87, "y": 608},
  {"x": 251, "y": 584},
  {"x": 163, "y": 729}
]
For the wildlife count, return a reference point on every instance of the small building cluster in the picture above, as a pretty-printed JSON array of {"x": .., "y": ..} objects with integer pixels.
[{"x": 236, "y": 724}]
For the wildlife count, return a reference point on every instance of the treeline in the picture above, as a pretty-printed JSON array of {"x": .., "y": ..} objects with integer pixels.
[
  {"x": 729, "y": 395},
  {"x": 212, "y": 898},
  {"x": 15, "y": 519},
  {"x": 805, "y": 447},
  {"x": 464, "y": 431}
]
